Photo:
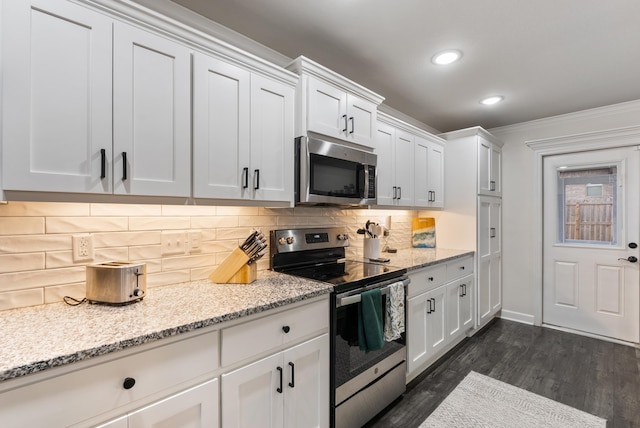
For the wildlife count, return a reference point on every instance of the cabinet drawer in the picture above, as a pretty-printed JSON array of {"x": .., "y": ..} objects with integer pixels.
[
  {"x": 91, "y": 391},
  {"x": 263, "y": 334},
  {"x": 427, "y": 279},
  {"x": 459, "y": 268}
]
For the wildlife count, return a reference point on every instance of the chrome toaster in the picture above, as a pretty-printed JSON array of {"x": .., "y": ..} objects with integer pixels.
[{"x": 116, "y": 283}]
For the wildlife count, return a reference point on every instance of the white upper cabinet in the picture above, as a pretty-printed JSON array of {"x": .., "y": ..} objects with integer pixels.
[
  {"x": 410, "y": 165},
  {"x": 243, "y": 133},
  {"x": 429, "y": 173},
  {"x": 60, "y": 104},
  {"x": 489, "y": 167},
  {"x": 331, "y": 105},
  {"x": 57, "y": 97},
  {"x": 151, "y": 114}
]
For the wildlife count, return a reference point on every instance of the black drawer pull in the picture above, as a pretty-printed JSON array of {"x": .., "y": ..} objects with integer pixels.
[
  {"x": 280, "y": 388},
  {"x": 245, "y": 172},
  {"x": 257, "y": 186},
  {"x": 293, "y": 372},
  {"x": 124, "y": 166},
  {"x": 128, "y": 383},
  {"x": 103, "y": 163}
]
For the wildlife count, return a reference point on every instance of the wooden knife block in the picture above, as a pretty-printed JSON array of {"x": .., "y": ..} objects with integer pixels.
[{"x": 235, "y": 270}]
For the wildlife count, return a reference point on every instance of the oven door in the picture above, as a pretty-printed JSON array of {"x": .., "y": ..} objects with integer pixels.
[
  {"x": 331, "y": 173},
  {"x": 356, "y": 372}
]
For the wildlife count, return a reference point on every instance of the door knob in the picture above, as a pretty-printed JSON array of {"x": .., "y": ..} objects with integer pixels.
[{"x": 630, "y": 259}]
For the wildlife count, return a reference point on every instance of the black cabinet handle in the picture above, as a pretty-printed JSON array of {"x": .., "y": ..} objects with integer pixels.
[
  {"x": 430, "y": 278},
  {"x": 257, "y": 186},
  {"x": 103, "y": 163},
  {"x": 492, "y": 232},
  {"x": 245, "y": 173},
  {"x": 492, "y": 186},
  {"x": 434, "y": 304},
  {"x": 460, "y": 291},
  {"x": 352, "y": 125},
  {"x": 128, "y": 383},
  {"x": 280, "y": 388},
  {"x": 286, "y": 328},
  {"x": 394, "y": 192},
  {"x": 124, "y": 166},
  {"x": 344, "y": 116},
  {"x": 293, "y": 373},
  {"x": 429, "y": 310},
  {"x": 399, "y": 192},
  {"x": 465, "y": 289}
]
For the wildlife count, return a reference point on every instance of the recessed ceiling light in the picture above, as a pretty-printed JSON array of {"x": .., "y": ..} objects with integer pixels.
[
  {"x": 446, "y": 57},
  {"x": 491, "y": 100}
]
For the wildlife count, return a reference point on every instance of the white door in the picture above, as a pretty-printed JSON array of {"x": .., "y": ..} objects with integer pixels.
[
  {"x": 221, "y": 129},
  {"x": 152, "y": 114},
  {"x": 194, "y": 408},
  {"x": 56, "y": 78},
  {"x": 327, "y": 109},
  {"x": 361, "y": 122},
  {"x": 590, "y": 270},
  {"x": 404, "y": 153},
  {"x": 385, "y": 168},
  {"x": 271, "y": 171},
  {"x": 307, "y": 384}
]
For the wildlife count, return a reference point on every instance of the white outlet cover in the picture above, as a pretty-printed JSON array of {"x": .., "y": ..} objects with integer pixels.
[{"x": 82, "y": 248}]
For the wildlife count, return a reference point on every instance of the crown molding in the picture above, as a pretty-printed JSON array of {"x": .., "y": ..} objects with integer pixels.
[
  {"x": 472, "y": 132},
  {"x": 619, "y": 137}
]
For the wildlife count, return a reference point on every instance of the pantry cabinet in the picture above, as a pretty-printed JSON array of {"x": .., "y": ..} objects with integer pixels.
[
  {"x": 92, "y": 105},
  {"x": 332, "y": 105},
  {"x": 243, "y": 133},
  {"x": 429, "y": 173},
  {"x": 440, "y": 311},
  {"x": 472, "y": 170}
]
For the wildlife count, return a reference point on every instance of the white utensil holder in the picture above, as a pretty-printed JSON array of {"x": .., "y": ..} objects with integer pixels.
[{"x": 371, "y": 248}]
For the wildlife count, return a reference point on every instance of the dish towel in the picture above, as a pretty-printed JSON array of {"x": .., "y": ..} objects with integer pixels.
[
  {"x": 394, "y": 312},
  {"x": 370, "y": 336}
]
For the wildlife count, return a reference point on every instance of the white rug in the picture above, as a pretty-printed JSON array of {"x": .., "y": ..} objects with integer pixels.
[{"x": 480, "y": 401}]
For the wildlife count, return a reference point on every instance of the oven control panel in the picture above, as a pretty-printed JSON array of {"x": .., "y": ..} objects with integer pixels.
[{"x": 289, "y": 240}]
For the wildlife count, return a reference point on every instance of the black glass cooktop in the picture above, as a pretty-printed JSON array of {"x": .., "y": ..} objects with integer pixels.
[{"x": 348, "y": 274}]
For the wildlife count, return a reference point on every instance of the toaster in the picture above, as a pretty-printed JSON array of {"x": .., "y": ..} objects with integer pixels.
[{"x": 116, "y": 283}]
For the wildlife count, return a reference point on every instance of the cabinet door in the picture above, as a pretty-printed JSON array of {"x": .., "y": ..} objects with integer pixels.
[
  {"x": 385, "y": 168},
  {"x": 361, "y": 121},
  {"x": 194, "y": 408},
  {"x": 467, "y": 303},
  {"x": 57, "y": 97},
  {"x": 496, "y": 170},
  {"x": 489, "y": 285},
  {"x": 221, "y": 129},
  {"x": 453, "y": 309},
  {"x": 436, "y": 175},
  {"x": 326, "y": 109},
  {"x": 307, "y": 384},
  {"x": 152, "y": 114},
  {"x": 484, "y": 167},
  {"x": 253, "y": 396},
  {"x": 403, "y": 161},
  {"x": 271, "y": 140},
  {"x": 428, "y": 174},
  {"x": 426, "y": 334}
]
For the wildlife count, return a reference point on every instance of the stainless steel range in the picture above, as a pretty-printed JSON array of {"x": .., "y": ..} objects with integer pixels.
[{"x": 362, "y": 382}]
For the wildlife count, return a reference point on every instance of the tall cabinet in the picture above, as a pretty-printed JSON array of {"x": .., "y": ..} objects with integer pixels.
[{"x": 472, "y": 220}]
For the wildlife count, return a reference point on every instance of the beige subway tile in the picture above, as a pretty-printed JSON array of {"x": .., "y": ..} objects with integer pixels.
[
  {"x": 111, "y": 254},
  {"x": 21, "y": 262},
  {"x": 58, "y": 259},
  {"x": 323, "y": 221},
  {"x": 188, "y": 210},
  {"x": 21, "y": 225},
  {"x": 187, "y": 262},
  {"x": 145, "y": 252},
  {"x": 219, "y": 246},
  {"x": 153, "y": 265},
  {"x": 208, "y": 234},
  {"x": 167, "y": 278},
  {"x": 40, "y": 278},
  {"x": 43, "y": 209},
  {"x": 21, "y": 299},
  {"x": 113, "y": 239},
  {"x": 125, "y": 210},
  {"x": 238, "y": 210},
  {"x": 159, "y": 223},
  {"x": 233, "y": 233},
  {"x": 56, "y": 293},
  {"x": 258, "y": 222},
  {"x": 32, "y": 243},
  {"x": 276, "y": 211},
  {"x": 86, "y": 224},
  {"x": 200, "y": 273},
  {"x": 305, "y": 211},
  {"x": 214, "y": 222}
]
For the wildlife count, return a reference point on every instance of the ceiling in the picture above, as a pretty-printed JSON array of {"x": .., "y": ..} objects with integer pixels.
[{"x": 546, "y": 57}]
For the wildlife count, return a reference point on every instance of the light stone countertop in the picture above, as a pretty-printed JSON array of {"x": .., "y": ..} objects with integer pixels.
[{"x": 42, "y": 337}]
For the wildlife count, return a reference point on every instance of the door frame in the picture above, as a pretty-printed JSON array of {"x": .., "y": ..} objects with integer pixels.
[{"x": 607, "y": 139}]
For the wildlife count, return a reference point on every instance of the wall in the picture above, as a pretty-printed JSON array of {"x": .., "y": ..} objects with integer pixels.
[
  {"x": 36, "y": 261},
  {"x": 518, "y": 184}
]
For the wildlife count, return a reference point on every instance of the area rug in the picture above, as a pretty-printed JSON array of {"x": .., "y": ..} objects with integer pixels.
[{"x": 480, "y": 401}]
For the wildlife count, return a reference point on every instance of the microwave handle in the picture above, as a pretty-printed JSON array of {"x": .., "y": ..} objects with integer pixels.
[{"x": 365, "y": 185}]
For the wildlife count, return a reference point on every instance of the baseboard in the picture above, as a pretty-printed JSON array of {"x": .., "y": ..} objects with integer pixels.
[{"x": 517, "y": 317}]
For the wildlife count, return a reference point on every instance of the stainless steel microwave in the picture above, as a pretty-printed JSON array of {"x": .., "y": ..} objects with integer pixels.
[{"x": 330, "y": 173}]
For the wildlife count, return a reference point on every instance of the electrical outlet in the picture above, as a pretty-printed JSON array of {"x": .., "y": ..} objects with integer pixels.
[
  {"x": 195, "y": 236},
  {"x": 173, "y": 243},
  {"x": 82, "y": 248}
]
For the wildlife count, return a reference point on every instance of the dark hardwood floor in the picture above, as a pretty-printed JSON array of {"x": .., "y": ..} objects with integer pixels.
[{"x": 599, "y": 377}]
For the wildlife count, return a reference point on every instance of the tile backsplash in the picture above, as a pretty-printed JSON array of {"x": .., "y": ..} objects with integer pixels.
[{"x": 36, "y": 258}]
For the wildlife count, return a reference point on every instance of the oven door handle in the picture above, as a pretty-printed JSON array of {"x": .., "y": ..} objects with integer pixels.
[{"x": 356, "y": 298}]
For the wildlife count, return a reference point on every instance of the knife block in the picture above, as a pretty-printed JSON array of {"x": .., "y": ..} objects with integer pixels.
[{"x": 235, "y": 270}]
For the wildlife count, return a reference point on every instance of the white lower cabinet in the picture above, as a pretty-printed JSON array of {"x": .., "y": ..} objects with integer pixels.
[
  {"x": 440, "y": 311},
  {"x": 194, "y": 408},
  {"x": 287, "y": 389}
]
